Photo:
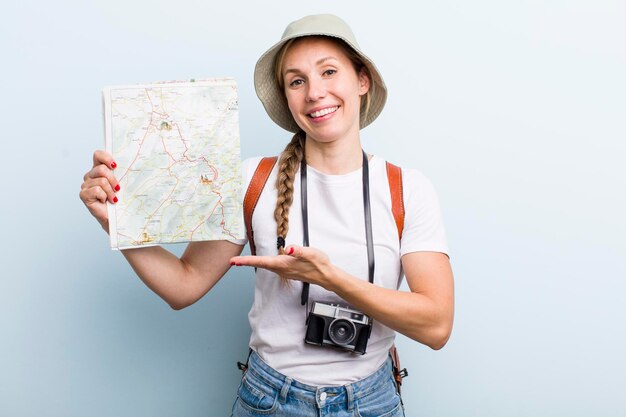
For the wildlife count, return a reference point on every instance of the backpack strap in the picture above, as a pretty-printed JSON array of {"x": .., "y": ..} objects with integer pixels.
[
  {"x": 398, "y": 372},
  {"x": 261, "y": 174},
  {"x": 394, "y": 175}
]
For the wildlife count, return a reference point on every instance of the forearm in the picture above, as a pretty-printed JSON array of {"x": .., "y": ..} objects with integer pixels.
[
  {"x": 162, "y": 272},
  {"x": 181, "y": 282},
  {"x": 423, "y": 314},
  {"x": 418, "y": 316},
  {"x": 158, "y": 268}
]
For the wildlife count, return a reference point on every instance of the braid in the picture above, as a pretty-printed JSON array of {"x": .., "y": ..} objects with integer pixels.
[{"x": 287, "y": 167}]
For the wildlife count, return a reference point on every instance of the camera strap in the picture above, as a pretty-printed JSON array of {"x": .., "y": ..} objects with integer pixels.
[{"x": 368, "y": 221}]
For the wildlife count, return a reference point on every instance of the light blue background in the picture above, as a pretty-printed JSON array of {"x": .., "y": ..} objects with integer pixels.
[{"x": 515, "y": 110}]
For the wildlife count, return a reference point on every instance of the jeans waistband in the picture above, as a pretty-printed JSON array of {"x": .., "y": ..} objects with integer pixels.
[{"x": 322, "y": 394}]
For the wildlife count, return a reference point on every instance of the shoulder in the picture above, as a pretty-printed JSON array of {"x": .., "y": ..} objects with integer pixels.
[
  {"x": 412, "y": 178},
  {"x": 418, "y": 189},
  {"x": 250, "y": 164},
  {"x": 249, "y": 167},
  {"x": 424, "y": 230},
  {"x": 415, "y": 179}
]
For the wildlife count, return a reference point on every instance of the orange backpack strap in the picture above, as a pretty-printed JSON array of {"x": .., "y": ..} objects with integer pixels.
[
  {"x": 398, "y": 372},
  {"x": 394, "y": 175},
  {"x": 262, "y": 173}
]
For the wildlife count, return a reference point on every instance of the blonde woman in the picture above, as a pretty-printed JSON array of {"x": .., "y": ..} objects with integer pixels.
[{"x": 327, "y": 243}]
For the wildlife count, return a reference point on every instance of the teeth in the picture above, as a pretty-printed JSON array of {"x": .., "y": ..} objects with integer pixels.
[{"x": 323, "y": 112}]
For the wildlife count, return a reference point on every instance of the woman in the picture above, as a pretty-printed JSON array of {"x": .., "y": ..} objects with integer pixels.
[{"x": 317, "y": 83}]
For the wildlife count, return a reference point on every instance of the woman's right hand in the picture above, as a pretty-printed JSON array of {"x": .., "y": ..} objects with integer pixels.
[
  {"x": 180, "y": 282},
  {"x": 99, "y": 186}
]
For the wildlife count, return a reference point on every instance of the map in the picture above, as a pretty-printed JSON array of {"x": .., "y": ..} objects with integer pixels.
[{"x": 176, "y": 145}]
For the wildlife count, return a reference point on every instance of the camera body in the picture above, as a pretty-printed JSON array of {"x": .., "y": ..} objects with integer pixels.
[{"x": 339, "y": 327}]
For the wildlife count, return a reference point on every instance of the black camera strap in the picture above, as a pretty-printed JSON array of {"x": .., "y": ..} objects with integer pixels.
[{"x": 368, "y": 221}]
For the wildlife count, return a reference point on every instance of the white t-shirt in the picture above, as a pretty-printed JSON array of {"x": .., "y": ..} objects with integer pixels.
[{"x": 337, "y": 227}]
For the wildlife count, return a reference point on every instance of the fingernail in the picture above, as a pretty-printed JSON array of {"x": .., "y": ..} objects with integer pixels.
[
  {"x": 291, "y": 249},
  {"x": 238, "y": 264},
  {"x": 113, "y": 165},
  {"x": 115, "y": 199},
  {"x": 232, "y": 263},
  {"x": 117, "y": 187}
]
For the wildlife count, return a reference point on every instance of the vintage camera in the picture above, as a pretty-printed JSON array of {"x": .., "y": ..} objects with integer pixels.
[{"x": 339, "y": 327}]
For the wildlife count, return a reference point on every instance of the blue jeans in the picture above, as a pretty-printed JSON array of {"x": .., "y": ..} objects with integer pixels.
[{"x": 266, "y": 392}]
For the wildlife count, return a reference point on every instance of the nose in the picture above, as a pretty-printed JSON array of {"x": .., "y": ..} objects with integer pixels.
[{"x": 315, "y": 90}]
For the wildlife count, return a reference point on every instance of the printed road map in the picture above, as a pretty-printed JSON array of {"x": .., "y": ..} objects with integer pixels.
[{"x": 177, "y": 151}]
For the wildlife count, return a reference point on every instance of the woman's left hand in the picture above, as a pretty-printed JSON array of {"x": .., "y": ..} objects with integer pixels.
[
  {"x": 301, "y": 263},
  {"x": 425, "y": 313}
]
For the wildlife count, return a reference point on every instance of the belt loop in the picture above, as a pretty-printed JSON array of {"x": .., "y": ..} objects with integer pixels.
[
  {"x": 284, "y": 390},
  {"x": 349, "y": 397}
]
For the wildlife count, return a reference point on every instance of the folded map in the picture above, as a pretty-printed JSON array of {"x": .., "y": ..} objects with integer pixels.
[{"x": 176, "y": 145}]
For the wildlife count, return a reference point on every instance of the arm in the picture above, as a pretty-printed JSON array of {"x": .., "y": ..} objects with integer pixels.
[
  {"x": 182, "y": 282},
  {"x": 179, "y": 282},
  {"x": 425, "y": 313}
]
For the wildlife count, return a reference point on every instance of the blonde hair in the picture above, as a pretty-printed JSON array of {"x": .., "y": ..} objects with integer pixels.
[
  {"x": 293, "y": 155},
  {"x": 290, "y": 160}
]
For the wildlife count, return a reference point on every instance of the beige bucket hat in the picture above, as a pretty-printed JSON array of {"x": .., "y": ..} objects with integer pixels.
[{"x": 272, "y": 96}]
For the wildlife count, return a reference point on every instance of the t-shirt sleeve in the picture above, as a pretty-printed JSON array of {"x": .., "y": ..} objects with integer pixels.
[
  {"x": 423, "y": 223},
  {"x": 248, "y": 166}
]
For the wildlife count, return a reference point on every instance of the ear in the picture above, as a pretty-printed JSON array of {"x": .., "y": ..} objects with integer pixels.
[{"x": 364, "y": 82}]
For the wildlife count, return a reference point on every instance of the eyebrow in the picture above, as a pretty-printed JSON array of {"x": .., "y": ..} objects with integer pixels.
[{"x": 319, "y": 62}]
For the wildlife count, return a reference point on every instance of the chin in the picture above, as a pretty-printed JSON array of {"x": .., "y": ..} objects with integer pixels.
[
  {"x": 327, "y": 133},
  {"x": 323, "y": 135}
]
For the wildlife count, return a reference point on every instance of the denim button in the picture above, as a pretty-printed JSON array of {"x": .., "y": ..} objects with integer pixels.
[{"x": 323, "y": 396}]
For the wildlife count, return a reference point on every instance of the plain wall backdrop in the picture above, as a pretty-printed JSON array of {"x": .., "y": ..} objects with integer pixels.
[{"x": 515, "y": 111}]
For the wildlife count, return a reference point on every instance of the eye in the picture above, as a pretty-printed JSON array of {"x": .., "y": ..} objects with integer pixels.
[
  {"x": 329, "y": 72},
  {"x": 296, "y": 82}
]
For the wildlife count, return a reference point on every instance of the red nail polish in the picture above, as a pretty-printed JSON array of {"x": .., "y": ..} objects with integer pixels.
[
  {"x": 238, "y": 264},
  {"x": 115, "y": 199},
  {"x": 232, "y": 263},
  {"x": 291, "y": 249},
  {"x": 113, "y": 165},
  {"x": 117, "y": 187}
]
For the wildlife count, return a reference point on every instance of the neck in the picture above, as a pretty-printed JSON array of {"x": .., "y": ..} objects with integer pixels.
[{"x": 335, "y": 158}]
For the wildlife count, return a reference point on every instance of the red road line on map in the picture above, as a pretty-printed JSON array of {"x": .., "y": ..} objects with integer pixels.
[
  {"x": 222, "y": 223},
  {"x": 157, "y": 209},
  {"x": 180, "y": 135},
  {"x": 142, "y": 139},
  {"x": 201, "y": 223},
  {"x": 214, "y": 171},
  {"x": 167, "y": 152},
  {"x": 208, "y": 217}
]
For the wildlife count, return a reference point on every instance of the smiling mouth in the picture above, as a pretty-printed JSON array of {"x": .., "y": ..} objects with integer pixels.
[{"x": 323, "y": 112}]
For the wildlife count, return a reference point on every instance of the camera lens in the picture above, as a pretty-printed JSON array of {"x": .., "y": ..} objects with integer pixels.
[{"x": 341, "y": 331}]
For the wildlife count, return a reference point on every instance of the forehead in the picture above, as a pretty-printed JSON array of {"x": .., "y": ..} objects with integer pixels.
[{"x": 310, "y": 49}]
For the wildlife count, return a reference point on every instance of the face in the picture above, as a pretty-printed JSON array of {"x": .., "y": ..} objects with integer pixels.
[{"x": 323, "y": 89}]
